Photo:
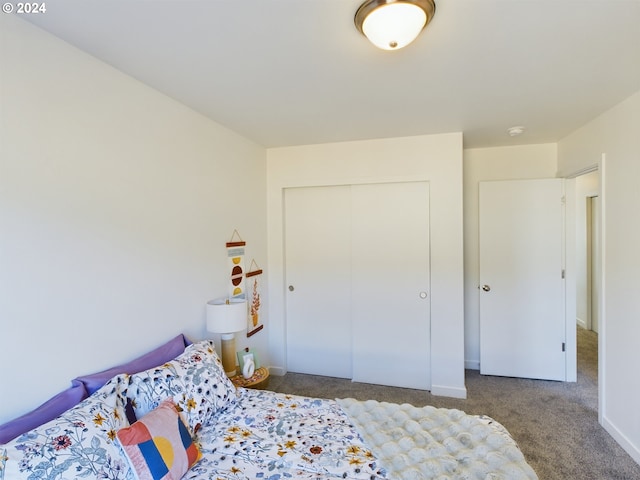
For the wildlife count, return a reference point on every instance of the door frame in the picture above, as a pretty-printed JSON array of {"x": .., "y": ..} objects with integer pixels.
[
  {"x": 570, "y": 279},
  {"x": 600, "y": 167}
]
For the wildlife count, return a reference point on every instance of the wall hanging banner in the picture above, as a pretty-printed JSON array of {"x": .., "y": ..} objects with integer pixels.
[
  {"x": 254, "y": 303},
  {"x": 235, "y": 253}
]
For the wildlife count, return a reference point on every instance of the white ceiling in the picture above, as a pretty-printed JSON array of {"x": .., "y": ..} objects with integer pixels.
[{"x": 291, "y": 72}]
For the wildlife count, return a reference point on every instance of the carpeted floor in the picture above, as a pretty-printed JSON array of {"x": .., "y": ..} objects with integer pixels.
[{"x": 555, "y": 423}]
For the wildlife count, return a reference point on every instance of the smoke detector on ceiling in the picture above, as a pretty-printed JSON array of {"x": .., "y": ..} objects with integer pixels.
[{"x": 515, "y": 131}]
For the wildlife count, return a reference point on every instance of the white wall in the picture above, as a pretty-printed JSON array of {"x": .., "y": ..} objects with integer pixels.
[
  {"x": 615, "y": 134},
  {"x": 437, "y": 159},
  {"x": 586, "y": 186},
  {"x": 115, "y": 205},
  {"x": 482, "y": 164}
]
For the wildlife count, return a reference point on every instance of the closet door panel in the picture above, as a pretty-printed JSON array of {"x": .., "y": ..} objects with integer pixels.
[
  {"x": 318, "y": 280},
  {"x": 390, "y": 284}
]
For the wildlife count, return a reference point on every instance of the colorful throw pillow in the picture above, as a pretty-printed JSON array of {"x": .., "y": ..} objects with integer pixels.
[
  {"x": 46, "y": 412},
  {"x": 80, "y": 443},
  {"x": 158, "y": 356},
  {"x": 159, "y": 445},
  {"x": 195, "y": 381}
]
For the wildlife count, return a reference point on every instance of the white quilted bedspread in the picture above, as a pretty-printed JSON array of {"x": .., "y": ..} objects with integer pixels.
[{"x": 414, "y": 443}]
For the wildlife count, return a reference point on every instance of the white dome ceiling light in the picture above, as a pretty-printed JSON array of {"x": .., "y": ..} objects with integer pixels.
[{"x": 393, "y": 24}]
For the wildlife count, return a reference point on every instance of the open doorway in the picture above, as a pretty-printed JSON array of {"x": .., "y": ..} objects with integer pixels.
[
  {"x": 588, "y": 276},
  {"x": 587, "y": 249},
  {"x": 593, "y": 262}
]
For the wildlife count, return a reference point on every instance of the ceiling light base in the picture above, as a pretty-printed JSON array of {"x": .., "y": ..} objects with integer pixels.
[{"x": 393, "y": 24}]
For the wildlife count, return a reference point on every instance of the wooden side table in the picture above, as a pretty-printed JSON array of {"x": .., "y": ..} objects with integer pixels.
[{"x": 259, "y": 379}]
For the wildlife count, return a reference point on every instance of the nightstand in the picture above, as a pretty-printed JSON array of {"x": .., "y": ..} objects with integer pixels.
[{"x": 259, "y": 379}]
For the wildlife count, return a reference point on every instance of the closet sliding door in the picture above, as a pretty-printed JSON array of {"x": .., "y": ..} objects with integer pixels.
[
  {"x": 390, "y": 284},
  {"x": 357, "y": 282},
  {"x": 318, "y": 280}
]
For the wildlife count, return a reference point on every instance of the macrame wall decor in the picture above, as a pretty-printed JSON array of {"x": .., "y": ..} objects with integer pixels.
[
  {"x": 245, "y": 285},
  {"x": 235, "y": 253},
  {"x": 254, "y": 301}
]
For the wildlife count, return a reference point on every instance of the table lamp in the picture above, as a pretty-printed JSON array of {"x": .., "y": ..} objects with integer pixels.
[{"x": 227, "y": 316}]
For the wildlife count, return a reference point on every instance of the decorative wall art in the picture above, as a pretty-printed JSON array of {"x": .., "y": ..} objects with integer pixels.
[
  {"x": 235, "y": 253},
  {"x": 254, "y": 301}
]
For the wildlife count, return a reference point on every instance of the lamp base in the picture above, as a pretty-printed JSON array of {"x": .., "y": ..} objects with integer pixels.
[{"x": 228, "y": 354}]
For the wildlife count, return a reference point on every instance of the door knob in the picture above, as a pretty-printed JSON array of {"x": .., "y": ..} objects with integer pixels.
[
  {"x": 291, "y": 289},
  {"x": 423, "y": 295},
  {"x": 486, "y": 288}
]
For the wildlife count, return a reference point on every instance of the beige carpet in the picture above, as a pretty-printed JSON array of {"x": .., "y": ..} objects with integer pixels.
[{"x": 555, "y": 423}]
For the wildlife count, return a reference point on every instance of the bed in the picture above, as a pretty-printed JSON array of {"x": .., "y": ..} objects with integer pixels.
[{"x": 185, "y": 419}]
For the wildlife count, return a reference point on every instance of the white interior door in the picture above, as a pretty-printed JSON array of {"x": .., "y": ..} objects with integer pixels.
[
  {"x": 318, "y": 276},
  {"x": 390, "y": 272},
  {"x": 522, "y": 324}
]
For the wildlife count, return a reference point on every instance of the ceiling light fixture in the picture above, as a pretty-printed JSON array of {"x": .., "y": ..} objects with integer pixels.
[{"x": 393, "y": 24}]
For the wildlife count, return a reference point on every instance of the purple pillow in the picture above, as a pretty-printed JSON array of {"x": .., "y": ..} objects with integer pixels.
[
  {"x": 46, "y": 412},
  {"x": 161, "y": 355}
]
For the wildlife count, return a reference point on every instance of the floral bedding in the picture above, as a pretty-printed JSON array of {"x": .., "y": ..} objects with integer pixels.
[
  {"x": 78, "y": 444},
  {"x": 268, "y": 435},
  {"x": 242, "y": 434}
]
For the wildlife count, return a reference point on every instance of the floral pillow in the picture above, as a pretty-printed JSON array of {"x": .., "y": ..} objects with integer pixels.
[
  {"x": 49, "y": 410},
  {"x": 195, "y": 381},
  {"x": 77, "y": 444}
]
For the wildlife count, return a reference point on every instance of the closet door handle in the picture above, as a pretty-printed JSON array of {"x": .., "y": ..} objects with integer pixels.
[
  {"x": 486, "y": 288},
  {"x": 291, "y": 288}
]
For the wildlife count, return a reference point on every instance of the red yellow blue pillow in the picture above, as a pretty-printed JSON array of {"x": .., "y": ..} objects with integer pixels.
[{"x": 159, "y": 446}]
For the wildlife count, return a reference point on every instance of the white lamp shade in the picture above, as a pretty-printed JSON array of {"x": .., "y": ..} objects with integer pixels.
[
  {"x": 223, "y": 317},
  {"x": 394, "y": 25}
]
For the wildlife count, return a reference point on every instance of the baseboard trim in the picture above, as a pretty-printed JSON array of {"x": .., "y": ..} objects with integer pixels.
[
  {"x": 622, "y": 439},
  {"x": 444, "y": 391},
  {"x": 277, "y": 371},
  {"x": 439, "y": 390},
  {"x": 472, "y": 364}
]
